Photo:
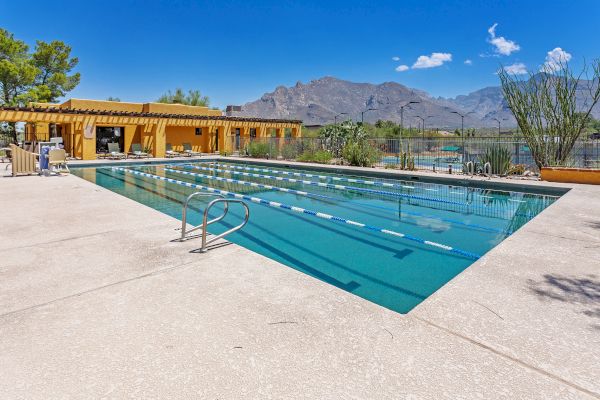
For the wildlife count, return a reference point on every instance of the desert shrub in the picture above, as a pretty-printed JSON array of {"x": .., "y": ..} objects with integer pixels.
[
  {"x": 516, "y": 169},
  {"x": 318, "y": 156},
  {"x": 360, "y": 153},
  {"x": 289, "y": 151},
  {"x": 258, "y": 149}
]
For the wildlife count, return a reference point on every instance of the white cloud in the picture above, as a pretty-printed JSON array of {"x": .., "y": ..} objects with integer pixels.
[
  {"x": 516, "y": 69},
  {"x": 395, "y": 58},
  {"x": 468, "y": 62},
  {"x": 402, "y": 68},
  {"x": 555, "y": 58},
  {"x": 502, "y": 45},
  {"x": 434, "y": 60}
]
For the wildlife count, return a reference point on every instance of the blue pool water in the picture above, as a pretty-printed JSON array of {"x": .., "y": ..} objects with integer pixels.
[{"x": 446, "y": 227}]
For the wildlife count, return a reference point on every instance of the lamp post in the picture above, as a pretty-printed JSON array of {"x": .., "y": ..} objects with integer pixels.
[
  {"x": 402, "y": 114},
  {"x": 362, "y": 114},
  {"x": 335, "y": 118},
  {"x": 406, "y": 104},
  {"x": 497, "y": 120},
  {"x": 423, "y": 122},
  {"x": 462, "y": 129},
  {"x": 462, "y": 121}
]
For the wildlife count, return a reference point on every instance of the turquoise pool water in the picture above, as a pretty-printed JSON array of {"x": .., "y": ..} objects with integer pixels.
[{"x": 446, "y": 227}]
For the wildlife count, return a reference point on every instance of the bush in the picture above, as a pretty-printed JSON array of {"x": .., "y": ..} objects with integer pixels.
[
  {"x": 322, "y": 157},
  {"x": 360, "y": 153},
  {"x": 258, "y": 149},
  {"x": 289, "y": 151},
  {"x": 516, "y": 169},
  {"x": 319, "y": 156}
]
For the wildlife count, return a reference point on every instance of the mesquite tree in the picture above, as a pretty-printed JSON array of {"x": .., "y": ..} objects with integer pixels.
[{"x": 548, "y": 110}]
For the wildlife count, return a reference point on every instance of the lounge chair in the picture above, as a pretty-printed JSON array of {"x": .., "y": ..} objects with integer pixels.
[
  {"x": 169, "y": 152},
  {"x": 187, "y": 150},
  {"x": 137, "y": 152},
  {"x": 57, "y": 160},
  {"x": 114, "y": 153}
]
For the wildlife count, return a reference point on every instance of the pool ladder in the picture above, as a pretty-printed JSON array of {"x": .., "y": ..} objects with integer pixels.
[{"x": 205, "y": 222}]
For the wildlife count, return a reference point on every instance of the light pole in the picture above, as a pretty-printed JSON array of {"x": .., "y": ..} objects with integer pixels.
[
  {"x": 423, "y": 122},
  {"x": 335, "y": 118},
  {"x": 462, "y": 121},
  {"x": 402, "y": 114},
  {"x": 362, "y": 114},
  {"x": 406, "y": 104},
  {"x": 497, "y": 120}
]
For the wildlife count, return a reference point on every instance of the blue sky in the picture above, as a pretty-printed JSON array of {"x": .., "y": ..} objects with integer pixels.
[{"x": 234, "y": 51}]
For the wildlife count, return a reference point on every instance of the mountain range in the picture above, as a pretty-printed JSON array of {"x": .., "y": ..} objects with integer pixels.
[{"x": 319, "y": 101}]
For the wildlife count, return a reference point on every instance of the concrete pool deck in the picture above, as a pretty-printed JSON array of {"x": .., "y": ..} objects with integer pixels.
[{"x": 97, "y": 301}]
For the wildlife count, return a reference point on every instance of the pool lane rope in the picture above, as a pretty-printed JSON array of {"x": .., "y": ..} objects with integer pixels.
[
  {"x": 338, "y": 187},
  {"x": 305, "y": 175},
  {"x": 380, "y": 192},
  {"x": 302, "y": 193},
  {"x": 329, "y": 217},
  {"x": 342, "y": 179}
]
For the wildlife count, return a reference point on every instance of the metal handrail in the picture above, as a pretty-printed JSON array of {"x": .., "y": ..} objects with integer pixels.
[
  {"x": 184, "y": 230},
  {"x": 205, "y": 223}
]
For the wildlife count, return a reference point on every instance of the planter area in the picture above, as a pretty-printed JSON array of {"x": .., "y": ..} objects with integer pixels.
[{"x": 571, "y": 175}]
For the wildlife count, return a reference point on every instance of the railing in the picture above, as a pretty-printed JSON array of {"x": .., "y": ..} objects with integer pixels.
[
  {"x": 23, "y": 162},
  {"x": 433, "y": 154},
  {"x": 205, "y": 222}
]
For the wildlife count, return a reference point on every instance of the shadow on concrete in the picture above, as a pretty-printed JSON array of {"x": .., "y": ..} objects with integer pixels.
[
  {"x": 594, "y": 224},
  {"x": 583, "y": 291}
]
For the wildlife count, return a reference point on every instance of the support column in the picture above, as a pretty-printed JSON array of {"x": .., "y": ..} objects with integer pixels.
[
  {"x": 88, "y": 142},
  {"x": 77, "y": 138},
  {"x": 280, "y": 134},
  {"x": 261, "y": 131},
  {"x": 225, "y": 144},
  {"x": 154, "y": 137},
  {"x": 160, "y": 139}
]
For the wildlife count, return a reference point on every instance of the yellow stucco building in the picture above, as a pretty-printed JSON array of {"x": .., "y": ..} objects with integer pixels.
[{"x": 86, "y": 126}]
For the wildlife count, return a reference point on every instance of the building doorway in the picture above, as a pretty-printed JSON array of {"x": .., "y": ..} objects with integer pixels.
[
  {"x": 217, "y": 139},
  {"x": 109, "y": 134},
  {"x": 238, "y": 132}
]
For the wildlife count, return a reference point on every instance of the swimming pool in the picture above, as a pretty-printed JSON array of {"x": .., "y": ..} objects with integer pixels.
[{"x": 390, "y": 241}]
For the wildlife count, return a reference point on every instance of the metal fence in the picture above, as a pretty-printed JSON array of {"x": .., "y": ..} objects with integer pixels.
[{"x": 432, "y": 154}]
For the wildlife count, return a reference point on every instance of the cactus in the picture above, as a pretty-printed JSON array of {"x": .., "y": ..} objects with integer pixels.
[{"x": 499, "y": 158}]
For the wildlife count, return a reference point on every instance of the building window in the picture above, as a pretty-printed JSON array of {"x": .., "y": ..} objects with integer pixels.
[
  {"x": 252, "y": 132},
  {"x": 198, "y": 131}
]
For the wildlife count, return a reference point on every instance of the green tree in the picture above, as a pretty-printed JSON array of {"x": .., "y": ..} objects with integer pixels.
[
  {"x": 17, "y": 76},
  {"x": 17, "y": 73},
  {"x": 192, "y": 98},
  {"x": 110, "y": 98},
  {"x": 545, "y": 107},
  {"x": 39, "y": 76},
  {"x": 53, "y": 62}
]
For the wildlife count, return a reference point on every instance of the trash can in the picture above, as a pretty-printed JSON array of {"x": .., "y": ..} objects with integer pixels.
[{"x": 44, "y": 157}]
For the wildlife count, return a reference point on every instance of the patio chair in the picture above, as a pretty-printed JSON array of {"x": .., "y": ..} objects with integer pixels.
[
  {"x": 137, "y": 152},
  {"x": 169, "y": 152},
  {"x": 187, "y": 150},
  {"x": 114, "y": 153},
  {"x": 7, "y": 156},
  {"x": 57, "y": 160}
]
